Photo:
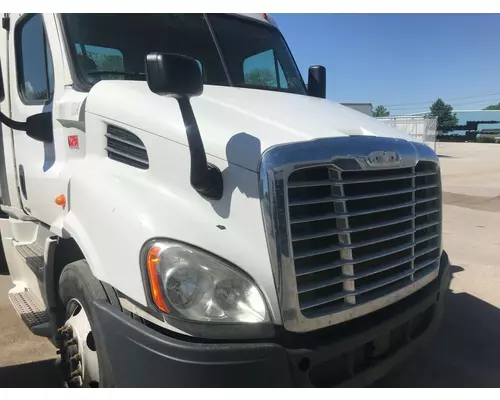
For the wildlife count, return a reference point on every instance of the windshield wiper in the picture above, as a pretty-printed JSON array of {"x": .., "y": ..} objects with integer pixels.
[{"x": 124, "y": 73}]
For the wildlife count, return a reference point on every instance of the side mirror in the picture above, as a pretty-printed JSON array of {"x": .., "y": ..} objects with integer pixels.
[
  {"x": 39, "y": 127},
  {"x": 173, "y": 75},
  {"x": 180, "y": 77},
  {"x": 316, "y": 83},
  {"x": 2, "y": 91}
]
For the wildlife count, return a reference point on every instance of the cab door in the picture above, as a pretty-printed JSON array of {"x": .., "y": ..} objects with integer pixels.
[{"x": 31, "y": 91}]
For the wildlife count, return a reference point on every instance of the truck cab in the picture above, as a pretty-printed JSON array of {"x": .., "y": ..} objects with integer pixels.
[{"x": 180, "y": 209}]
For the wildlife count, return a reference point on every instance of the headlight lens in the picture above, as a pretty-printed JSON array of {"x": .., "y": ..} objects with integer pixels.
[{"x": 192, "y": 284}]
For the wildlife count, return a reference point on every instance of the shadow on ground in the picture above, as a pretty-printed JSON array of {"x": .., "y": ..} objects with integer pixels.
[
  {"x": 42, "y": 374},
  {"x": 445, "y": 156},
  {"x": 464, "y": 353}
]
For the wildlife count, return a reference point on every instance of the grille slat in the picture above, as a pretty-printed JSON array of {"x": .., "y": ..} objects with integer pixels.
[
  {"x": 353, "y": 197},
  {"x": 424, "y": 264},
  {"x": 427, "y": 225},
  {"x": 427, "y": 238},
  {"x": 426, "y": 200},
  {"x": 345, "y": 293},
  {"x": 425, "y": 251},
  {"x": 343, "y": 278},
  {"x": 358, "y": 235},
  {"x": 125, "y": 147},
  {"x": 426, "y": 212},
  {"x": 357, "y": 213},
  {"x": 395, "y": 221},
  {"x": 428, "y": 173},
  {"x": 332, "y": 249},
  {"x": 424, "y": 187},
  {"x": 359, "y": 260},
  {"x": 326, "y": 182}
]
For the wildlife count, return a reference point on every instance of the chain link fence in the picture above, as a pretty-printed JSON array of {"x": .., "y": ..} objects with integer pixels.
[{"x": 420, "y": 128}]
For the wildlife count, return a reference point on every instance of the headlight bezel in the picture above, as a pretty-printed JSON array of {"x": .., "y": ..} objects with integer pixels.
[{"x": 176, "y": 319}]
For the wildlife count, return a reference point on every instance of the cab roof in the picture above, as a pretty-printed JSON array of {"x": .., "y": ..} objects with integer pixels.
[{"x": 262, "y": 17}]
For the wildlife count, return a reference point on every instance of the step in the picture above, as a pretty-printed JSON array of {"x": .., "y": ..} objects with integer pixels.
[
  {"x": 34, "y": 258},
  {"x": 29, "y": 308}
]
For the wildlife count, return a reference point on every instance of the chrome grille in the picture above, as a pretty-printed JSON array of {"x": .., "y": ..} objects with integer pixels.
[{"x": 358, "y": 235}]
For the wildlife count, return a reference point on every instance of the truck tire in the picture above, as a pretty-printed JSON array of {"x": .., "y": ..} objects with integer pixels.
[{"x": 83, "y": 361}]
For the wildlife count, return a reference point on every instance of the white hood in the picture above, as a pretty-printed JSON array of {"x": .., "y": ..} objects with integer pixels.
[{"x": 264, "y": 118}]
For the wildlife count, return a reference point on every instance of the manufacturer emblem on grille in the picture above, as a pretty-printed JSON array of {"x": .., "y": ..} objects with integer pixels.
[{"x": 383, "y": 159}]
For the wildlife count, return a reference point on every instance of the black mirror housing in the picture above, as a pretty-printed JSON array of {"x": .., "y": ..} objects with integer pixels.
[
  {"x": 316, "y": 83},
  {"x": 39, "y": 127},
  {"x": 173, "y": 75}
]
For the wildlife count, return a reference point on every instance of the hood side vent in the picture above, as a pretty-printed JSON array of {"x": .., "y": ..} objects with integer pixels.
[{"x": 125, "y": 147}]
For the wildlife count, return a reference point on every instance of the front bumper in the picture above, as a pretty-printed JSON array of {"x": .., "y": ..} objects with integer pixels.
[{"x": 352, "y": 354}]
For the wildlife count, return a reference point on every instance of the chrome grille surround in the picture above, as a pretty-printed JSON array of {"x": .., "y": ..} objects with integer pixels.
[{"x": 346, "y": 155}]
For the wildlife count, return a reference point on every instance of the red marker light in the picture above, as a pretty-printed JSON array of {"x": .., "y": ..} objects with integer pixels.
[{"x": 73, "y": 142}]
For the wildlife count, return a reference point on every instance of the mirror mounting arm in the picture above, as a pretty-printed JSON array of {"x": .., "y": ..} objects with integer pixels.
[
  {"x": 205, "y": 178},
  {"x": 18, "y": 126},
  {"x": 37, "y": 126},
  {"x": 179, "y": 77}
]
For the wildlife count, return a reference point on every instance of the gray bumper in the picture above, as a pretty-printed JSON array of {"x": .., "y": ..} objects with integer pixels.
[{"x": 353, "y": 354}]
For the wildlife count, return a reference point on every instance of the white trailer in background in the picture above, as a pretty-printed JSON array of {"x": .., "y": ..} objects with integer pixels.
[
  {"x": 365, "y": 108},
  {"x": 420, "y": 127}
]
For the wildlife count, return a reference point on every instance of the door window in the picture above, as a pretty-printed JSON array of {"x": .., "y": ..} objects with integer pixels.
[{"x": 35, "y": 72}]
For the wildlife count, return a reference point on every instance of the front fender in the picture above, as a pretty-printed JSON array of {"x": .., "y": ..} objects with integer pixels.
[{"x": 114, "y": 209}]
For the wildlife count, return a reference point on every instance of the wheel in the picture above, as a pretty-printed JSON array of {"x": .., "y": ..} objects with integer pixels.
[{"x": 78, "y": 340}]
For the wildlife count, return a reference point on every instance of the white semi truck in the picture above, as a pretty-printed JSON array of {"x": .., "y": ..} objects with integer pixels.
[{"x": 180, "y": 209}]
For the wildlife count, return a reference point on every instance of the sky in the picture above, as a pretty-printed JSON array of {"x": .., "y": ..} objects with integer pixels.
[{"x": 402, "y": 61}]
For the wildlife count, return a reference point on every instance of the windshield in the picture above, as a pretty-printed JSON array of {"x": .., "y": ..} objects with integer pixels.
[{"x": 230, "y": 51}]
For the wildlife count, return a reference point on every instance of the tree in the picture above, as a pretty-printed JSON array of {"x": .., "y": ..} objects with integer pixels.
[
  {"x": 101, "y": 62},
  {"x": 493, "y": 107},
  {"x": 381, "y": 111},
  {"x": 446, "y": 119},
  {"x": 261, "y": 77},
  {"x": 107, "y": 62}
]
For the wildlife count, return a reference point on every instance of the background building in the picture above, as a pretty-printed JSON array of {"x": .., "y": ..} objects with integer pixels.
[{"x": 365, "y": 108}]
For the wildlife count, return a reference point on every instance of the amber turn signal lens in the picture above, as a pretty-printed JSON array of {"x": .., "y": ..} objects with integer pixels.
[
  {"x": 152, "y": 261},
  {"x": 61, "y": 200}
]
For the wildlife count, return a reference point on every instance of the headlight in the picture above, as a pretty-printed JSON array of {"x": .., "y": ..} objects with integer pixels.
[{"x": 192, "y": 284}]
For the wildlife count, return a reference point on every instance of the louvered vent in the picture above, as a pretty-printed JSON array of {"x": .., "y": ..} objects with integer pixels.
[{"x": 125, "y": 147}]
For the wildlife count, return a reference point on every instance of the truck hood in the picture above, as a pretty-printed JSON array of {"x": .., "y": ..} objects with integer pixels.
[{"x": 236, "y": 124}]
